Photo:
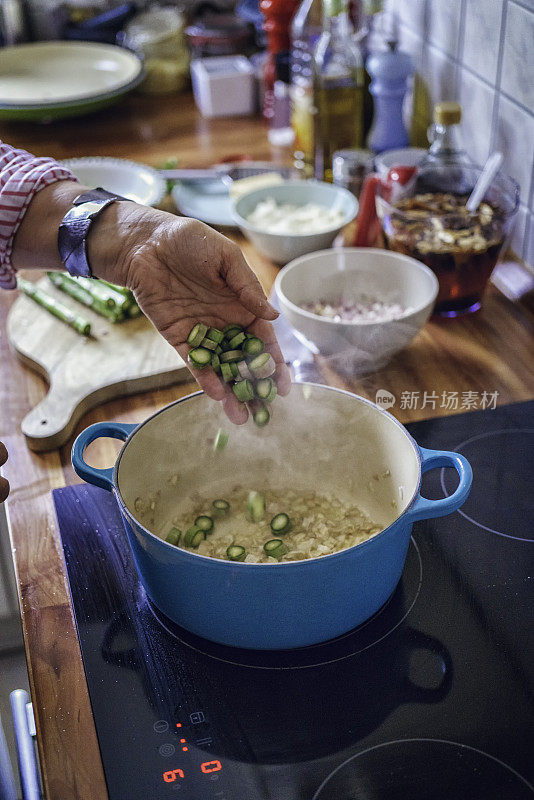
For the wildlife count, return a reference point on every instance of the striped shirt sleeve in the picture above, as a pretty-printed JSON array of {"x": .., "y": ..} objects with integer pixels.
[{"x": 21, "y": 177}]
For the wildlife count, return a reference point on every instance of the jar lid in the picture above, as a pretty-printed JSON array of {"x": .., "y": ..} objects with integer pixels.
[
  {"x": 156, "y": 25},
  {"x": 332, "y": 8},
  {"x": 447, "y": 113},
  {"x": 352, "y": 161},
  {"x": 216, "y": 27}
]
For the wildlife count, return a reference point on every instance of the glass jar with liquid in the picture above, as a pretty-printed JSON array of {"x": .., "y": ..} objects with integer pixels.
[
  {"x": 306, "y": 30},
  {"x": 338, "y": 88}
]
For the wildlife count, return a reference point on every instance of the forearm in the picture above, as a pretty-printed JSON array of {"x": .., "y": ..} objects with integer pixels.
[
  {"x": 108, "y": 244},
  {"x": 35, "y": 243}
]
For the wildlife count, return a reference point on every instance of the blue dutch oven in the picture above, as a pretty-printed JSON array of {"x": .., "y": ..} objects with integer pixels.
[{"x": 319, "y": 439}]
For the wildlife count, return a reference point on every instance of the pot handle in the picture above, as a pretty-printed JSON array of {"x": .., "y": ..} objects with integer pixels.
[
  {"x": 98, "y": 477},
  {"x": 431, "y": 459}
]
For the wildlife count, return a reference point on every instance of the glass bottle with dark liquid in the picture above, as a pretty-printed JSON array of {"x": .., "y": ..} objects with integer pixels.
[{"x": 338, "y": 88}]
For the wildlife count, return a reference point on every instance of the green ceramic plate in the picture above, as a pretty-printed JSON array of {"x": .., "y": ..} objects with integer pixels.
[{"x": 49, "y": 80}]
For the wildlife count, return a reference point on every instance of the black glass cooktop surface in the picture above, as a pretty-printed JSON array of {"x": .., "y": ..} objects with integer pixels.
[{"x": 431, "y": 699}]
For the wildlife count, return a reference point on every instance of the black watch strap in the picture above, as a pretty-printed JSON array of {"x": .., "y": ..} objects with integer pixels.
[{"x": 75, "y": 226}]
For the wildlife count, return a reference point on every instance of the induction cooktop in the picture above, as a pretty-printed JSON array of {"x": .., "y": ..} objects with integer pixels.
[{"x": 430, "y": 699}]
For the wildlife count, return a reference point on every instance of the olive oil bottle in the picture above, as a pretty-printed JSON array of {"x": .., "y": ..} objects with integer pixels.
[{"x": 338, "y": 88}]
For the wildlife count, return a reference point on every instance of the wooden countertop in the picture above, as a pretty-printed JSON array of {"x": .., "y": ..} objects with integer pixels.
[{"x": 453, "y": 361}]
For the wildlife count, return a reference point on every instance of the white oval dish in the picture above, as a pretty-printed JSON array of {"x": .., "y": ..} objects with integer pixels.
[
  {"x": 42, "y": 74},
  {"x": 128, "y": 178}
]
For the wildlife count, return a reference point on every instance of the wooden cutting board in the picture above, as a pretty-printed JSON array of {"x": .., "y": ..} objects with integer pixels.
[{"x": 117, "y": 360}]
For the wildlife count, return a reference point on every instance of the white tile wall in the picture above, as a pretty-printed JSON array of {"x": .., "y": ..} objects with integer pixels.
[
  {"x": 476, "y": 99},
  {"x": 481, "y": 37},
  {"x": 528, "y": 251},
  {"x": 443, "y": 24},
  {"x": 481, "y": 52},
  {"x": 514, "y": 137},
  {"x": 439, "y": 72},
  {"x": 518, "y": 57},
  {"x": 518, "y": 233}
]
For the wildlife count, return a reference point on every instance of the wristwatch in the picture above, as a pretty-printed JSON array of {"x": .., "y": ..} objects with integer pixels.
[{"x": 75, "y": 226}]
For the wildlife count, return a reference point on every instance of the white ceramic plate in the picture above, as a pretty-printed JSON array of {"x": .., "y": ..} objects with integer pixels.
[
  {"x": 127, "y": 178},
  {"x": 208, "y": 201},
  {"x": 50, "y": 73}
]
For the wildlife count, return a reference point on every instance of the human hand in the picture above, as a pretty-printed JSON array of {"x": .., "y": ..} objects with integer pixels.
[
  {"x": 183, "y": 272},
  {"x": 4, "y": 485}
]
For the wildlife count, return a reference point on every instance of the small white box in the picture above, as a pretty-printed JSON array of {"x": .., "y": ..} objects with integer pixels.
[{"x": 223, "y": 86}]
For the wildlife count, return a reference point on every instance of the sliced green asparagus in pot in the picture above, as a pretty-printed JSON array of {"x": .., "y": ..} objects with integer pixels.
[
  {"x": 280, "y": 524},
  {"x": 173, "y": 536},
  {"x": 275, "y": 548},
  {"x": 204, "y": 523},
  {"x": 221, "y": 440},
  {"x": 256, "y": 506},
  {"x": 236, "y": 553},
  {"x": 221, "y": 506}
]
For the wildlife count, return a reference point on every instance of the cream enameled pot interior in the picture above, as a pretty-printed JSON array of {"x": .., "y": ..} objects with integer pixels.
[{"x": 319, "y": 439}]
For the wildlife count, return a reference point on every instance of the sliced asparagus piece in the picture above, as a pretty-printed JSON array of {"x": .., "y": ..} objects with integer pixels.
[
  {"x": 232, "y": 355},
  {"x": 243, "y": 390},
  {"x": 266, "y": 389},
  {"x": 199, "y": 357},
  {"x": 275, "y": 548},
  {"x": 221, "y": 506},
  {"x": 235, "y": 553},
  {"x": 261, "y": 417},
  {"x": 280, "y": 524},
  {"x": 173, "y": 536},
  {"x": 256, "y": 506},
  {"x": 204, "y": 523},
  {"x": 196, "y": 334},
  {"x": 262, "y": 366},
  {"x": 221, "y": 440},
  {"x": 253, "y": 346}
]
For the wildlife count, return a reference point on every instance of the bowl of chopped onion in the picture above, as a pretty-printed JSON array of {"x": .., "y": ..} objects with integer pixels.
[
  {"x": 290, "y": 219},
  {"x": 359, "y": 305}
]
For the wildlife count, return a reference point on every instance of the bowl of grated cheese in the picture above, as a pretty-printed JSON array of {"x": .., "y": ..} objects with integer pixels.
[{"x": 290, "y": 219}]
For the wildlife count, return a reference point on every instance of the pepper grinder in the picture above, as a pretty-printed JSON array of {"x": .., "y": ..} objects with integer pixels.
[{"x": 389, "y": 71}]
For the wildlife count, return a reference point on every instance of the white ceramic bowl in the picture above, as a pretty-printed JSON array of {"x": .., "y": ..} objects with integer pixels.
[
  {"x": 404, "y": 157},
  {"x": 282, "y": 248},
  {"x": 127, "y": 178},
  {"x": 350, "y": 273}
]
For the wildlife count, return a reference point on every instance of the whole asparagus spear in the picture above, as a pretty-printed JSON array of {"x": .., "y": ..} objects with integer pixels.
[
  {"x": 56, "y": 308},
  {"x": 71, "y": 287}
]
